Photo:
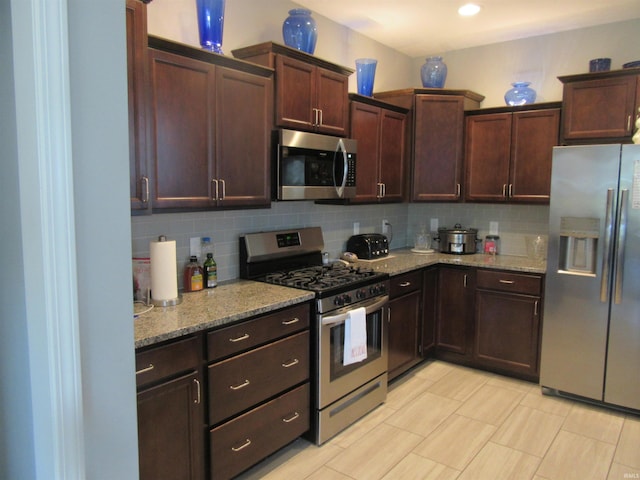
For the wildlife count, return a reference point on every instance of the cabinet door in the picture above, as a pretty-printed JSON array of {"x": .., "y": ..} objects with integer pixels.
[
  {"x": 295, "y": 93},
  {"x": 507, "y": 332},
  {"x": 404, "y": 313},
  {"x": 392, "y": 167},
  {"x": 455, "y": 310},
  {"x": 365, "y": 128},
  {"x": 487, "y": 156},
  {"x": 534, "y": 134},
  {"x": 429, "y": 310},
  {"x": 171, "y": 430},
  {"x": 243, "y": 114},
  {"x": 137, "y": 89},
  {"x": 182, "y": 106},
  {"x": 599, "y": 109},
  {"x": 332, "y": 101},
  {"x": 438, "y": 148}
]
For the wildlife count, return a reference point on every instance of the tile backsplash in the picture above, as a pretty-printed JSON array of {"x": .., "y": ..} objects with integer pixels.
[{"x": 225, "y": 227}]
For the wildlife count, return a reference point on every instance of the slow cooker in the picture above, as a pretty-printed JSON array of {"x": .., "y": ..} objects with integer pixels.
[{"x": 458, "y": 240}]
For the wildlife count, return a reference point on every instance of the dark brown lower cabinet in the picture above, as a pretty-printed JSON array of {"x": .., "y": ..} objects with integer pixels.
[
  {"x": 429, "y": 310},
  {"x": 454, "y": 331},
  {"x": 404, "y": 322}
]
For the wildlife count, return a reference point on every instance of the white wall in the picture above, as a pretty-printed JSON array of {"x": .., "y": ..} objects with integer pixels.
[
  {"x": 489, "y": 70},
  {"x": 248, "y": 22}
]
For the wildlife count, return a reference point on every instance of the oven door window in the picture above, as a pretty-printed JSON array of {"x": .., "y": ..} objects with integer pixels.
[
  {"x": 306, "y": 168},
  {"x": 374, "y": 346}
]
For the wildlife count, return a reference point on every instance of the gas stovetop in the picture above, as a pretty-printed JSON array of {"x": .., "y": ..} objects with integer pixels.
[{"x": 323, "y": 277}]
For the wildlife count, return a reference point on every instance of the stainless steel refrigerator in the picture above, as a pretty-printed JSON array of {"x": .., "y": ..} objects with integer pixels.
[{"x": 591, "y": 329}]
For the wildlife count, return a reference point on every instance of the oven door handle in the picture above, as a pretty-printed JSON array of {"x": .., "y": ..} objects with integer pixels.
[{"x": 342, "y": 317}]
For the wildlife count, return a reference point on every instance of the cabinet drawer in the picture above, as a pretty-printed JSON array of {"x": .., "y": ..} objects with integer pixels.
[
  {"x": 510, "y": 282},
  {"x": 244, "y": 441},
  {"x": 245, "y": 380},
  {"x": 168, "y": 360},
  {"x": 237, "y": 338},
  {"x": 405, "y": 283}
]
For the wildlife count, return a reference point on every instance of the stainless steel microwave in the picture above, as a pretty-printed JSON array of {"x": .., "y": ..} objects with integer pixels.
[{"x": 310, "y": 166}]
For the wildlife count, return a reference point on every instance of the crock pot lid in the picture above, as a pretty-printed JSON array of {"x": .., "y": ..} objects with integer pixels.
[{"x": 457, "y": 228}]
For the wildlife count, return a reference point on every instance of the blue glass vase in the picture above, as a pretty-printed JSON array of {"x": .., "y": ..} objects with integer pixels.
[
  {"x": 433, "y": 73},
  {"x": 210, "y": 23},
  {"x": 299, "y": 30},
  {"x": 520, "y": 94}
]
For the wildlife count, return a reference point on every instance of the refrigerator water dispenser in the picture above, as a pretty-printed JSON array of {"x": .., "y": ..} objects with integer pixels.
[{"x": 578, "y": 245}]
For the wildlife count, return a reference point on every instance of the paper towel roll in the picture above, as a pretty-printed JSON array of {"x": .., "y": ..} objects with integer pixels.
[{"x": 164, "y": 277}]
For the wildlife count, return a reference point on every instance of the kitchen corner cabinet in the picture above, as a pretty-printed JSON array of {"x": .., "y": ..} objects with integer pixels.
[
  {"x": 258, "y": 384},
  {"x": 136, "y": 21},
  {"x": 508, "y": 307},
  {"x": 379, "y": 129},
  {"x": 454, "y": 329},
  {"x": 404, "y": 322},
  {"x": 310, "y": 93},
  {"x": 508, "y": 153},
  {"x": 171, "y": 425},
  {"x": 600, "y": 107},
  {"x": 209, "y": 117},
  {"x": 434, "y": 139},
  {"x": 429, "y": 310}
]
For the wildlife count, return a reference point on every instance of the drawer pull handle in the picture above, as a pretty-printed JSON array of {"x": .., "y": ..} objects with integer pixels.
[
  {"x": 238, "y": 387},
  {"x": 145, "y": 370},
  {"x": 291, "y": 418},
  {"x": 295, "y": 361},
  {"x": 239, "y": 339},
  {"x": 405, "y": 284},
  {"x": 508, "y": 282},
  {"x": 246, "y": 443},
  {"x": 291, "y": 322}
]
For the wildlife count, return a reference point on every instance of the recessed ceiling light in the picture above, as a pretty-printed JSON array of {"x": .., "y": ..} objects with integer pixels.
[{"x": 469, "y": 9}]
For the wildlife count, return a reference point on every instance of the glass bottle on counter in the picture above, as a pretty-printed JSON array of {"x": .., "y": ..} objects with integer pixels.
[
  {"x": 210, "y": 272},
  {"x": 193, "y": 275}
]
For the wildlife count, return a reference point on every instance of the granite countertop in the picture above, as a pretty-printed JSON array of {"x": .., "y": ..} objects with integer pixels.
[
  {"x": 240, "y": 299},
  {"x": 227, "y": 303},
  {"x": 404, "y": 260}
]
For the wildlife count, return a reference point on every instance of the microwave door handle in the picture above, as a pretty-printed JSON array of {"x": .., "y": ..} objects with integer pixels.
[
  {"x": 342, "y": 317},
  {"x": 340, "y": 148}
]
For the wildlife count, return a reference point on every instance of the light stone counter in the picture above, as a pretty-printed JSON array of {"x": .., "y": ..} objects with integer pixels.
[
  {"x": 404, "y": 260},
  {"x": 214, "y": 307}
]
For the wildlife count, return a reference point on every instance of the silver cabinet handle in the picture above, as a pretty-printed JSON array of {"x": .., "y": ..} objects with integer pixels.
[
  {"x": 464, "y": 282},
  {"x": 198, "y": 398},
  {"x": 240, "y": 338},
  {"x": 628, "y": 123},
  {"x": 321, "y": 119},
  {"x": 291, "y": 322},
  {"x": 214, "y": 182},
  {"x": 606, "y": 257},
  {"x": 458, "y": 189},
  {"x": 404, "y": 284},
  {"x": 246, "y": 443},
  {"x": 238, "y": 387},
  {"x": 507, "y": 282},
  {"x": 145, "y": 189},
  {"x": 291, "y": 418},
  {"x": 535, "y": 308},
  {"x": 315, "y": 116},
  {"x": 224, "y": 189},
  {"x": 504, "y": 190},
  {"x": 510, "y": 190},
  {"x": 293, "y": 362},
  {"x": 145, "y": 370},
  {"x": 622, "y": 237},
  {"x": 384, "y": 190}
]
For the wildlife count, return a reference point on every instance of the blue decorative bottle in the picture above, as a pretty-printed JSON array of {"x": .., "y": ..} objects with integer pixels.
[
  {"x": 433, "y": 73},
  {"x": 299, "y": 30},
  {"x": 210, "y": 23},
  {"x": 520, "y": 94}
]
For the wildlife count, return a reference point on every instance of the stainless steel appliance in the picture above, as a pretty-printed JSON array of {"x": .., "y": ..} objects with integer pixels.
[
  {"x": 368, "y": 245},
  {"x": 341, "y": 392},
  {"x": 310, "y": 166},
  {"x": 591, "y": 332},
  {"x": 457, "y": 240}
]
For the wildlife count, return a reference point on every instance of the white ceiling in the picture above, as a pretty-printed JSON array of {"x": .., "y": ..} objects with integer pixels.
[{"x": 422, "y": 27}]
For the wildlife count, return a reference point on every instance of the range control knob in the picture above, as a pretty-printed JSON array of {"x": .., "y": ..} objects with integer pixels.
[{"x": 361, "y": 294}]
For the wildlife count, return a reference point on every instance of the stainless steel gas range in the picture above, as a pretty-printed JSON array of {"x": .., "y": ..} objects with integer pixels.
[{"x": 342, "y": 391}]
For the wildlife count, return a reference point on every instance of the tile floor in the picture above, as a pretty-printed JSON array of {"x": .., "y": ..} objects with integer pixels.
[{"x": 443, "y": 421}]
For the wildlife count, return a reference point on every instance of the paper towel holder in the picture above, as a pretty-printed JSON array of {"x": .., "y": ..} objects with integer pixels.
[{"x": 165, "y": 302}]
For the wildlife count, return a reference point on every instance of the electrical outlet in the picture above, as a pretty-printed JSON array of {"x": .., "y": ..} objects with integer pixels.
[
  {"x": 434, "y": 224},
  {"x": 195, "y": 247},
  {"x": 356, "y": 228},
  {"x": 493, "y": 228},
  {"x": 385, "y": 226}
]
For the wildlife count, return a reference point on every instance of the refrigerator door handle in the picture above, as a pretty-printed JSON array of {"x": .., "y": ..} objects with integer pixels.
[
  {"x": 622, "y": 237},
  {"x": 606, "y": 255}
]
